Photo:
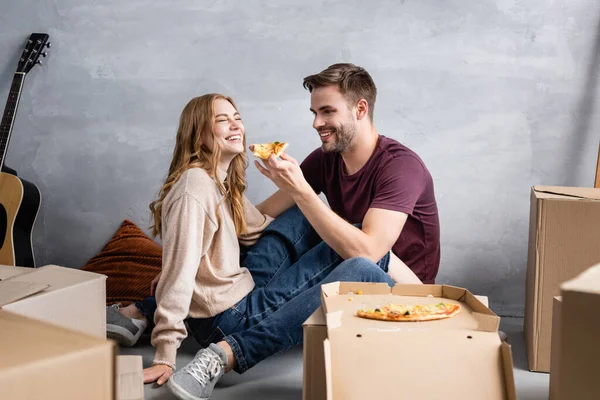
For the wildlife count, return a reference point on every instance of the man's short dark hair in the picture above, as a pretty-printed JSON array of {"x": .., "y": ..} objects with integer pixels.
[{"x": 353, "y": 82}]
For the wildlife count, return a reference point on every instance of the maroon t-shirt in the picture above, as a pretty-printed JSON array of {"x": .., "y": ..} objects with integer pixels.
[{"x": 394, "y": 178}]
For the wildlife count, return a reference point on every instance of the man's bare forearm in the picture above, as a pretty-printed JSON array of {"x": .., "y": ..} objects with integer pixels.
[
  {"x": 276, "y": 204},
  {"x": 344, "y": 238}
]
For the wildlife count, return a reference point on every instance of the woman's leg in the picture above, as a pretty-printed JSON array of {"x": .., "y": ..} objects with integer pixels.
[{"x": 277, "y": 332}]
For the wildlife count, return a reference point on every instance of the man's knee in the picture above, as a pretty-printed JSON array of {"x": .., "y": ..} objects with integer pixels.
[
  {"x": 358, "y": 264},
  {"x": 291, "y": 215}
]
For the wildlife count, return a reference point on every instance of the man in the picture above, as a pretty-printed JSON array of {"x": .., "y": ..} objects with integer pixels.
[{"x": 368, "y": 179}]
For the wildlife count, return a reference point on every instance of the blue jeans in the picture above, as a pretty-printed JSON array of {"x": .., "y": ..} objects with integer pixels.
[{"x": 288, "y": 264}]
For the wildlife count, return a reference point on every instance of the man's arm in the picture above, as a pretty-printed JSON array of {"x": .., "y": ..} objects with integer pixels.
[
  {"x": 276, "y": 204},
  {"x": 380, "y": 227}
]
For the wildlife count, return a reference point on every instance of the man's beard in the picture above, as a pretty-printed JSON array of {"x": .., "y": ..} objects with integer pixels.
[{"x": 344, "y": 136}]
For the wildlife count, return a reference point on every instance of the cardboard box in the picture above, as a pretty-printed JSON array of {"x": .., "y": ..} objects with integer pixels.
[
  {"x": 555, "y": 352},
  {"x": 315, "y": 333},
  {"x": 563, "y": 242},
  {"x": 41, "y": 361},
  {"x": 130, "y": 378},
  {"x": 577, "y": 351},
  {"x": 67, "y": 297},
  {"x": 342, "y": 352}
]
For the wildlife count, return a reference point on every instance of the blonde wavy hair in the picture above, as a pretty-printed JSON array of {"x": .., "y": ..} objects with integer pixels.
[{"x": 197, "y": 119}]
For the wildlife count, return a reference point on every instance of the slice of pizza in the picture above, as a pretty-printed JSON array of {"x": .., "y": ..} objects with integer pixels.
[
  {"x": 265, "y": 150},
  {"x": 411, "y": 313}
]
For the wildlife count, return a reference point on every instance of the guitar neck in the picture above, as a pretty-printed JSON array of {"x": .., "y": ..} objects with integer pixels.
[{"x": 10, "y": 111}]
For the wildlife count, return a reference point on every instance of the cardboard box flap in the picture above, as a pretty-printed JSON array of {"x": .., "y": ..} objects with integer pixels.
[
  {"x": 509, "y": 373},
  {"x": 58, "y": 277},
  {"x": 8, "y": 271},
  {"x": 130, "y": 378},
  {"x": 487, "y": 323},
  {"x": 317, "y": 318},
  {"x": 586, "y": 282},
  {"x": 452, "y": 368},
  {"x": 11, "y": 291},
  {"x": 568, "y": 192}
]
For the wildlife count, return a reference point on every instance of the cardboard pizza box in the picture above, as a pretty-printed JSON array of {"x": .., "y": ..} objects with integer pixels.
[
  {"x": 42, "y": 361},
  {"x": 576, "y": 350},
  {"x": 563, "y": 242},
  {"x": 315, "y": 333},
  {"x": 357, "y": 351},
  {"x": 130, "y": 378},
  {"x": 67, "y": 297}
]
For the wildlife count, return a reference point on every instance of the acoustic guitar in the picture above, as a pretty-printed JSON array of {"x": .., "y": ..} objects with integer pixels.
[{"x": 19, "y": 199}]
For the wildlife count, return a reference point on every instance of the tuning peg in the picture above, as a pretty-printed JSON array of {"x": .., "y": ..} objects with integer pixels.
[
  {"x": 44, "y": 54},
  {"x": 39, "y": 62},
  {"x": 48, "y": 45}
]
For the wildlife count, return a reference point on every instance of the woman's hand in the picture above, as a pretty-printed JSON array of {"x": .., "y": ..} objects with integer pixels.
[
  {"x": 157, "y": 373},
  {"x": 153, "y": 284}
]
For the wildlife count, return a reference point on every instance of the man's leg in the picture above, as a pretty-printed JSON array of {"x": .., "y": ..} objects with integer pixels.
[
  {"x": 282, "y": 243},
  {"x": 316, "y": 264},
  {"x": 282, "y": 329}
]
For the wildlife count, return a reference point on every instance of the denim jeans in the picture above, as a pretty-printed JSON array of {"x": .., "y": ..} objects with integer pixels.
[{"x": 288, "y": 264}]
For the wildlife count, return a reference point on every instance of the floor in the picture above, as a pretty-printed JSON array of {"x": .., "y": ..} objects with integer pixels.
[{"x": 280, "y": 377}]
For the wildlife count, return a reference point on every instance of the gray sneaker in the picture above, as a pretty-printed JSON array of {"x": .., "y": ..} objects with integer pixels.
[
  {"x": 125, "y": 331},
  {"x": 197, "y": 380}
]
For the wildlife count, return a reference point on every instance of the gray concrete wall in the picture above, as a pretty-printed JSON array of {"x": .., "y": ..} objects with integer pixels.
[{"x": 494, "y": 95}]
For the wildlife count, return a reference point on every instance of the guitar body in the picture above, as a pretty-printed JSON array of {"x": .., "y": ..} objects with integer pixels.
[{"x": 19, "y": 206}]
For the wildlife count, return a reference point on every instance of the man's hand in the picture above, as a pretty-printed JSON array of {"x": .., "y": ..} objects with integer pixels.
[
  {"x": 285, "y": 173},
  {"x": 157, "y": 373},
  {"x": 153, "y": 284}
]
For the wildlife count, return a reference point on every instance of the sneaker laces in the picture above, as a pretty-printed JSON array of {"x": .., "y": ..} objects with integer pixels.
[{"x": 204, "y": 368}]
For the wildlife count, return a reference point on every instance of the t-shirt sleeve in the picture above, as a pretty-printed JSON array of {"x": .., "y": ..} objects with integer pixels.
[
  {"x": 399, "y": 185},
  {"x": 312, "y": 168}
]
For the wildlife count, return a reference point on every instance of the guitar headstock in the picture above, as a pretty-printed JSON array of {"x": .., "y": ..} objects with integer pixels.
[{"x": 34, "y": 49}]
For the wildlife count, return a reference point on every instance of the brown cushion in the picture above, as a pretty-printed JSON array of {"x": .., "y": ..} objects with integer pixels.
[{"x": 130, "y": 260}]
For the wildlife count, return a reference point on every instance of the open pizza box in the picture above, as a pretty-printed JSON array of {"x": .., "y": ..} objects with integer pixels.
[
  {"x": 66, "y": 297},
  {"x": 457, "y": 358}
]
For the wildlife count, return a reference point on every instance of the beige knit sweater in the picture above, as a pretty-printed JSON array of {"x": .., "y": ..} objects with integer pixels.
[{"x": 201, "y": 274}]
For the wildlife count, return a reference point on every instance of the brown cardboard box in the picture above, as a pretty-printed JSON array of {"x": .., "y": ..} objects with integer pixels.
[
  {"x": 355, "y": 350},
  {"x": 315, "y": 333},
  {"x": 577, "y": 348},
  {"x": 555, "y": 352},
  {"x": 563, "y": 242},
  {"x": 41, "y": 361},
  {"x": 67, "y": 297},
  {"x": 130, "y": 378}
]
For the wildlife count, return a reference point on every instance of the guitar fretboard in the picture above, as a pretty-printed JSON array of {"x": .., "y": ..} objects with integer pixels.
[{"x": 10, "y": 111}]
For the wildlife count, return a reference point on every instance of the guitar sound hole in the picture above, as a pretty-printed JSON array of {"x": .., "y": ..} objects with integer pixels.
[{"x": 3, "y": 224}]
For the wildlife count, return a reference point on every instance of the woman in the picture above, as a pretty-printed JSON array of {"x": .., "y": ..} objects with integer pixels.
[{"x": 201, "y": 214}]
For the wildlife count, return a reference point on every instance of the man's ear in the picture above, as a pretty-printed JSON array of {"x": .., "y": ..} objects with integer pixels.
[{"x": 362, "y": 109}]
